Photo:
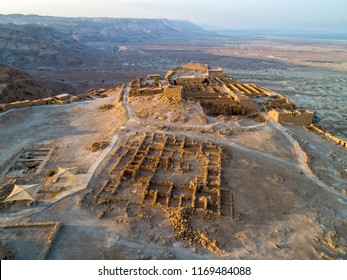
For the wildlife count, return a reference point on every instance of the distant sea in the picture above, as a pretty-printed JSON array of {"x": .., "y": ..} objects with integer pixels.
[{"x": 286, "y": 35}]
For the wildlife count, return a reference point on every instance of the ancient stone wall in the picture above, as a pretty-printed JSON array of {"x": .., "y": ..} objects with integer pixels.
[
  {"x": 252, "y": 88},
  {"x": 53, "y": 229},
  {"x": 57, "y": 99},
  {"x": 223, "y": 106},
  {"x": 234, "y": 94},
  {"x": 169, "y": 73},
  {"x": 338, "y": 140},
  {"x": 173, "y": 93},
  {"x": 195, "y": 66},
  {"x": 17, "y": 105},
  {"x": 150, "y": 91},
  {"x": 215, "y": 72},
  {"x": 153, "y": 77},
  {"x": 249, "y": 105},
  {"x": 188, "y": 80},
  {"x": 165, "y": 170},
  {"x": 298, "y": 117},
  {"x": 45, "y": 101}
]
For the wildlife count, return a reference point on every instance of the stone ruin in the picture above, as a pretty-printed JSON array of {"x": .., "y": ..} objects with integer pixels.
[
  {"x": 49, "y": 229},
  {"x": 167, "y": 171},
  {"x": 28, "y": 162},
  {"x": 218, "y": 93}
]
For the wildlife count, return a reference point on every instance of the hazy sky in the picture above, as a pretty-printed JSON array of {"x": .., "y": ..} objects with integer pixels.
[{"x": 223, "y": 14}]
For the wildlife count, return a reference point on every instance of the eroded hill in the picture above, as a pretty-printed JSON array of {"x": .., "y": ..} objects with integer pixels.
[
  {"x": 16, "y": 86},
  {"x": 98, "y": 31},
  {"x": 33, "y": 47}
]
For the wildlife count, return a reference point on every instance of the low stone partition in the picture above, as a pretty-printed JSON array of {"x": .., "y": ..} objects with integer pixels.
[
  {"x": 339, "y": 141},
  {"x": 59, "y": 99},
  {"x": 298, "y": 117}
]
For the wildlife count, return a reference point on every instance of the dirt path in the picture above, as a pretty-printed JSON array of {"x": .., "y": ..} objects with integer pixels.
[{"x": 303, "y": 164}]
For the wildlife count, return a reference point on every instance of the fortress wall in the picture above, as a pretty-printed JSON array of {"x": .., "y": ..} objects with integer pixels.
[
  {"x": 209, "y": 97},
  {"x": 242, "y": 88},
  {"x": 185, "y": 80},
  {"x": 286, "y": 118},
  {"x": 302, "y": 117},
  {"x": 150, "y": 91},
  {"x": 261, "y": 89},
  {"x": 195, "y": 66},
  {"x": 173, "y": 93},
  {"x": 233, "y": 87},
  {"x": 61, "y": 102},
  {"x": 235, "y": 96},
  {"x": 44, "y": 101},
  {"x": 280, "y": 100},
  {"x": 215, "y": 72},
  {"x": 339, "y": 141},
  {"x": 153, "y": 76},
  {"x": 280, "y": 105},
  {"x": 232, "y": 93},
  {"x": 17, "y": 105},
  {"x": 87, "y": 93},
  {"x": 169, "y": 73},
  {"x": 317, "y": 129},
  {"x": 243, "y": 100},
  {"x": 220, "y": 107},
  {"x": 252, "y": 88},
  {"x": 249, "y": 105},
  {"x": 273, "y": 114}
]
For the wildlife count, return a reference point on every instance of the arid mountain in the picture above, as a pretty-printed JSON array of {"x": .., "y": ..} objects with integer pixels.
[
  {"x": 16, "y": 85},
  {"x": 34, "y": 47},
  {"x": 98, "y": 31},
  {"x": 38, "y": 42}
]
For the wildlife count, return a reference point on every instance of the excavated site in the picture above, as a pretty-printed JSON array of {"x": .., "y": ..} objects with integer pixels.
[{"x": 193, "y": 165}]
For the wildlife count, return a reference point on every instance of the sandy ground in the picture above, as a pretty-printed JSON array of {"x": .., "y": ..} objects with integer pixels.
[
  {"x": 321, "y": 53},
  {"x": 287, "y": 185},
  {"x": 70, "y": 128}
]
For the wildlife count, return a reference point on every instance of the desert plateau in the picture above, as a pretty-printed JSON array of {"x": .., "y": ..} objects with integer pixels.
[{"x": 156, "y": 139}]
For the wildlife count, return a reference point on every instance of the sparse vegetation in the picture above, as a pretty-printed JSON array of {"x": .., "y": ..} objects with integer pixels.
[
  {"x": 51, "y": 172},
  {"x": 97, "y": 146},
  {"x": 105, "y": 107}
]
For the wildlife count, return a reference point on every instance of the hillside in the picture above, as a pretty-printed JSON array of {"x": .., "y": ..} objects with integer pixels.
[
  {"x": 16, "y": 85},
  {"x": 32, "y": 46}
]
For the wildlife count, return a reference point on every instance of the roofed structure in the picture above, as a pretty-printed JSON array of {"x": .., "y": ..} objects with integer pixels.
[{"x": 23, "y": 192}]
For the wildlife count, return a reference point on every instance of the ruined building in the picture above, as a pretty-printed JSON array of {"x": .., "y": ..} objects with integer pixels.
[{"x": 220, "y": 94}]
